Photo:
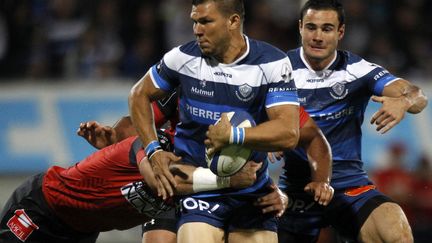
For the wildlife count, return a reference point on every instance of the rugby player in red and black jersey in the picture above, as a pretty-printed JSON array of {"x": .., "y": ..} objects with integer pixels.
[{"x": 110, "y": 189}]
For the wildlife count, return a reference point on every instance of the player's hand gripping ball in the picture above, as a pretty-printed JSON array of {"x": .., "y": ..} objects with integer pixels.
[{"x": 233, "y": 157}]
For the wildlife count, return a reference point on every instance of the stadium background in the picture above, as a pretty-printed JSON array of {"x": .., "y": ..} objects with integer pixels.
[{"x": 67, "y": 61}]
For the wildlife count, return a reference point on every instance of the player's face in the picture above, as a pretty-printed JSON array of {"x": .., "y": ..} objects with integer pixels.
[
  {"x": 321, "y": 33},
  {"x": 211, "y": 29}
]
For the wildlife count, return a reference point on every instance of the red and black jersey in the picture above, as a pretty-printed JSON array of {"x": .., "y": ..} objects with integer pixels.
[
  {"x": 102, "y": 192},
  {"x": 106, "y": 191}
]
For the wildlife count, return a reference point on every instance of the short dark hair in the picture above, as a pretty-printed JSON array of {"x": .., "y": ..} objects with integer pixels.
[
  {"x": 226, "y": 7},
  {"x": 324, "y": 5}
]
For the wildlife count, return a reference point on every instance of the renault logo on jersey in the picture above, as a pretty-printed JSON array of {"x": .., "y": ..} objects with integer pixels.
[
  {"x": 338, "y": 90},
  {"x": 244, "y": 92}
]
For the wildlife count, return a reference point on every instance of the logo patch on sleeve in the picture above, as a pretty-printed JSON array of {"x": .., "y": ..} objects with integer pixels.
[{"x": 21, "y": 225}]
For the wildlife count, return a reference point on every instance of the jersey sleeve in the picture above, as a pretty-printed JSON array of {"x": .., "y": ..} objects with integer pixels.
[
  {"x": 136, "y": 151},
  {"x": 304, "y": 116},
  {"x": 376, "y": 76},
  {"x": 281, "y": 87},
  {"x": 380, "y": 78},
  {"x": 165, "y": 74}
]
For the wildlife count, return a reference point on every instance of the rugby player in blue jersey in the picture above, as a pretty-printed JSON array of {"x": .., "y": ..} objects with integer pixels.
[
  {"x": 334, "y": 87},
  {"x": 163, "y": 227},
  {"x": 222, "y": 70}
]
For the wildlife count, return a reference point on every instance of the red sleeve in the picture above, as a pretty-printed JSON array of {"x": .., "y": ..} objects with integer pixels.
[{"x": 304, "y": 116}]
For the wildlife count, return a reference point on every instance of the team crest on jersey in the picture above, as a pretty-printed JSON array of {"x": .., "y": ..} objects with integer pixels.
[
  {"x": 244, "y": 92},
  {"x": 339, "y": 90}
]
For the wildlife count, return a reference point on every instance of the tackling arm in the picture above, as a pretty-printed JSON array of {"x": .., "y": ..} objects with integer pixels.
[
  {"x": 191, "y": 179},
  {"x": 100, "y": 136},
  {"x": 187, "y": 183}
]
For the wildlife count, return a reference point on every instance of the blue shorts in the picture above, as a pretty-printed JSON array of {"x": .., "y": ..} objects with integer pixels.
[
  {"x": 347, "y": 211},
  {"x": 228, "y": 212}
]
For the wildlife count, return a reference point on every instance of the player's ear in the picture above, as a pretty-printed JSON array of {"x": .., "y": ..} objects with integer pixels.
[
  {"x": 300, "y": 26},
  {"x": 341, "y": 31},
  {"x": 234, "y": 22}
]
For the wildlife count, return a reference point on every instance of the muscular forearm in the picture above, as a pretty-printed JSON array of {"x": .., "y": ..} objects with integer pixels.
[
  {"x": 320, "y": 159},
  {"x": 275, "y": 135},
  {"x": 318, "y": 152},
  {"x": 191, "y": 179},
  {"x": 141, "y": 112},
  {"x": 187, "y": 183},
  {"x": 281, "y": 132}
]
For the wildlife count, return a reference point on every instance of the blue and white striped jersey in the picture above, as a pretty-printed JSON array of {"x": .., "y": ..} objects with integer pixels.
[
  {"x": 259, "y": 79},
  {"x": 336, "y": 98}
]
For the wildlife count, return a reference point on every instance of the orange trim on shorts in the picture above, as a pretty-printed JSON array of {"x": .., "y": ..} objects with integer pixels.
[{"x": 355, "y": 191}]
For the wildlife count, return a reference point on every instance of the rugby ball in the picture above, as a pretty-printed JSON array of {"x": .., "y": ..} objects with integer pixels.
[{"x": 233, "y": 157}]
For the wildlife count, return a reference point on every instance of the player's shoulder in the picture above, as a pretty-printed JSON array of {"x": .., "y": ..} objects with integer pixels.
[
  {"x": 295, "y": 58},
  {"x": 261, "y": 52},
  {"x": 179, "y": 55},
  {"x": 355, "y": 64},
  {"x": 349, "y": 58},
  {"x": 191, "y": 48}
]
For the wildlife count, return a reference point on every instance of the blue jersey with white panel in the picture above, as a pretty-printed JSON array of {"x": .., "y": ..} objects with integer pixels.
[
  {"x": 259, "y": 79},
  {"x": 336, "y": 98}
]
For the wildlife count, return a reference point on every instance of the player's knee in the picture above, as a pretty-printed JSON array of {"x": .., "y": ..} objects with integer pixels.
[
  {"x": 387, "y": 223},
  {"x": 401, "y": 230},
  {"x": 401, "y": 234}
]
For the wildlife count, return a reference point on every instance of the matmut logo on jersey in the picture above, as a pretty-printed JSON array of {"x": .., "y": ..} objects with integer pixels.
[{"x": 202, "y": 91}]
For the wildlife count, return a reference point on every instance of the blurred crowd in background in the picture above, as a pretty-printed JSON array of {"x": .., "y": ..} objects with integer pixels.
[
  {"x": 411, "y": 187},
  {"x": 99, "y": 39},
  {"x": 95, "y": 40}
]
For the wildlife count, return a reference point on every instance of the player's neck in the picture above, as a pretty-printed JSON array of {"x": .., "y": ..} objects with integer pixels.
[
  {"x": 236, "y": 49},
  {"x": 318, "y": 64}
]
